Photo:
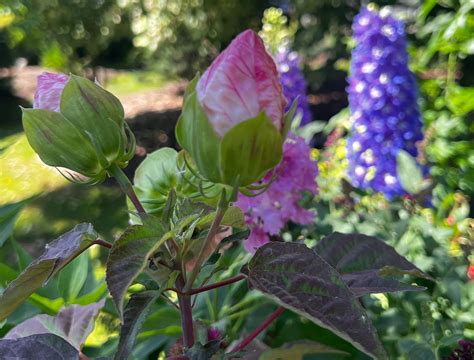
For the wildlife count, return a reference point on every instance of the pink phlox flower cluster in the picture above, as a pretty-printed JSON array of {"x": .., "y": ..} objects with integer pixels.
[{"x": 269, "y": 212}]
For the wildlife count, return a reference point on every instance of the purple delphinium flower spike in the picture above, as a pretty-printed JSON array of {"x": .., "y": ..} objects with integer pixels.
[
  {"x": 293, "y": 82},
  {"x": 382, "y": 100},
  {"x": 269, "y": 212}
]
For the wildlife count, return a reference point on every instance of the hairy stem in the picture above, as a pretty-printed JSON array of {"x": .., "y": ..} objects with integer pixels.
[
  {"x": 258, "y": 330},
  {"x": 126, "y": 186}
]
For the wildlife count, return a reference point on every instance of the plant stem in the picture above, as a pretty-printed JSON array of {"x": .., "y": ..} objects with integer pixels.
[
  {"x": 258, "y": 330},
  {"x": 126, "y": 186},
  {"x": 209, "y": 287},
  {"x": 217, "y": 284},
  {"x": 186, "y": 310},
  {"x": 220, "y": 211},
  {"x": 103, "y": 243}
]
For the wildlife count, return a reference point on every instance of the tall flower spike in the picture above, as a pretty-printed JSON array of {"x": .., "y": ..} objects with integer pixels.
[
  {"x": 293, "y": 82},
  {"x": 268, "y": 213},
  {"x": 382, "y": 100}
]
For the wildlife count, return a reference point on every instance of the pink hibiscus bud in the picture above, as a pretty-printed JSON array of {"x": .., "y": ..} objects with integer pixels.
[
  {"x": 242, "y": 82},
  {"x": 49, "y": 90},
  {"x": 233, "y": 122}
]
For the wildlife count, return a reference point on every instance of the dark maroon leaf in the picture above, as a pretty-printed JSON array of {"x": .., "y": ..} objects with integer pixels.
[
  {"x": 365, "y": 263},
  {"x": 40, "y": 346},
  {"x": 57, "y": 254},
  {"x": 73, "y": 324},
  {"x": 129, "y": 256},
  {"x": 296, "y": 277}
]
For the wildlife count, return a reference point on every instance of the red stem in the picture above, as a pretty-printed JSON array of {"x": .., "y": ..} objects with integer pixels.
[
  {"x": 186, "y": 314},
  {"x": 258, "y": 330},
  {"x": 209, "y": 287},
  {"x": 217, "y": 284},
  {"x": 103, "y": 243},
  {"x": 134, "y": 199}
]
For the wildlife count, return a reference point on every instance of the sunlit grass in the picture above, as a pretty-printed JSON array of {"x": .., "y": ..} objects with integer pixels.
[
  {"x": 22, "y": 174},
  {"x": 135, "y": 81}
]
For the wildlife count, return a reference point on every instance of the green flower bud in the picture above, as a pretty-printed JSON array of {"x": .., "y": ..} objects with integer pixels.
[{"x": 86, "y": 136}]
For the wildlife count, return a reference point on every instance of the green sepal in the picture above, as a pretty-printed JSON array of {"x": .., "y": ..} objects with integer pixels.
[
  {"x": 194, "y": 133},
  {"x": 59, "y": 143},
  {"x": 85, "y": 101},
  {"x": 162, "y": 172},
  {"x": 289, "y": 117},
  {"x": 249, "y": 150},
  {"x": 98, "y": 114}
]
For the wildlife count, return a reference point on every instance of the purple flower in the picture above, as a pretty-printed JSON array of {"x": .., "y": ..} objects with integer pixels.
[
  {"x": 465, "y": 351},
  {"x": 382, "y": 100},
  {"x": 293, "y": 82},
  {"x": 213, "y": 334},
  {"x": 269, "y": 212}
]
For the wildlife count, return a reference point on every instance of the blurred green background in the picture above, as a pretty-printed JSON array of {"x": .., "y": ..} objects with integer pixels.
[{"x": 146, "y": 51}]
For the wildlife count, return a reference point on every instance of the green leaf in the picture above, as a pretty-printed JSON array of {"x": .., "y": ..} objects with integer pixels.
[
  {"x": 233, "y": 217},
  {"x": 7, "y": 274},
  {"x": 298, "y": 350},
  {"x": 8, "y": 216},
  {"x": 23, "y": 257},
  {"x": 93, "y": 296},
  {"x": 74, "y": 324},
  {"x": 203, "y": 352},
  {"x": 129, "y": 256},
  {"x": 197, "y": 136},
  {"x": 308, "y": 131},
  {"x": 460, "y": 100},
  {"x": 135, "y": 314},
  {"x": 289, "y": 117},
  {"x": 413, "y": 350},
  {"x": 249, "y": 150},
  {"x": 72, "y": 277},
  {"x": 41, "y": 346},
  {"x": 57, "y": 255},
  {"x": 363, "y": 261},
  {"x": 45, "y": 304},
  {"x": 338, "y": 120},
  {"x": 239, "y": 236},
  {"x": 409, "y": 173},
  {"x": 297, "y": 278}
]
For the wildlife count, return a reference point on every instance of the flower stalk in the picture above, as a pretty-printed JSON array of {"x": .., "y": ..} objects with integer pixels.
[
  {"x": 126, "y": 186},
  {"x": 220, "y": 212}
]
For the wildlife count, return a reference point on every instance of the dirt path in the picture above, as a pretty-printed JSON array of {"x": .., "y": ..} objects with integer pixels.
[{"x": 166, "y": 98}]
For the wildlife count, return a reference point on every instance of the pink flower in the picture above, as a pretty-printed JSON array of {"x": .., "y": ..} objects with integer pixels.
[
  {"x": 241, "y": 82},
  {"x": 268, "y": 213},
  {"x": 470, "y": 272},
  {"x": 49, "y": 90}
]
